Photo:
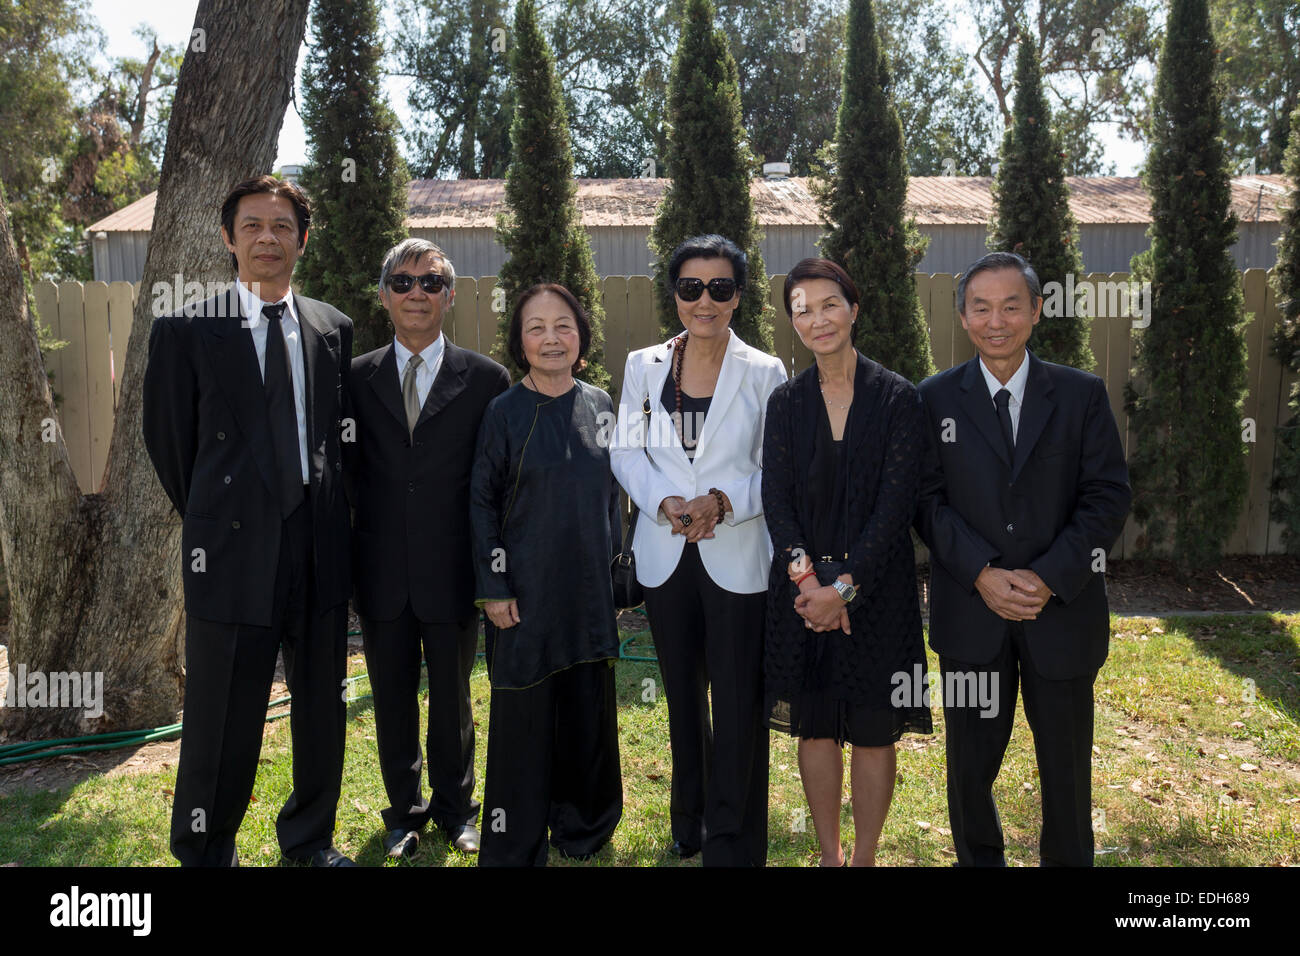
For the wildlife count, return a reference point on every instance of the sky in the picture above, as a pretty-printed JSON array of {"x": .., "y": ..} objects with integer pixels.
[{"x": 173, "y": 20}]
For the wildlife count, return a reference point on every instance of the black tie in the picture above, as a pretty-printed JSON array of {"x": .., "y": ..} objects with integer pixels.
[
  {"x": 278, "y": 379},
  {"x": 1004, "y": 419}
]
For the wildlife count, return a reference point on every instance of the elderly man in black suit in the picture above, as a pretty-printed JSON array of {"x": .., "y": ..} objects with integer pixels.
[
  {"x": 418, "y": 403},
  {"x": 242, "y": 412},
  {"x": 1025, "y": 491}
]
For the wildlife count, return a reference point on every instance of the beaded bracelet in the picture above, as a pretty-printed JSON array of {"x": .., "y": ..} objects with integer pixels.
[{"x": 722, "y": 508}]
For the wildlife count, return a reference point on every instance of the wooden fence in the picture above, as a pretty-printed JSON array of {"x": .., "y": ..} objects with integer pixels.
[{"x": 95, "y": 319}]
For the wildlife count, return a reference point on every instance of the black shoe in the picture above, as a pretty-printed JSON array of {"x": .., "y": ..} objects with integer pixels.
[
  {"x": 329, "y": 856},
  {"x": 681, "y": 851},
  {"x": 401, "y": 842},
  {"x": 464, "y": 838}
]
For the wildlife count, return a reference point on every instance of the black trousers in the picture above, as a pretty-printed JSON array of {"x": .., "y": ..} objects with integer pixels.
[
  {"x": 708, "y": 637},
  {"x": 552, "y": 762},
  {"x": 395, "y": 651},
  {"x": 1060, "y": 715},
  {"x": 228, "y": 673}
]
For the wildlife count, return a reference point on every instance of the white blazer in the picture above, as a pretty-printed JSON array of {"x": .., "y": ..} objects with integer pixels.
[{"x": 651, "y": 465}]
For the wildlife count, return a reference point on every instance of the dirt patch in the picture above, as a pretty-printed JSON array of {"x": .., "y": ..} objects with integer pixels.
[{"x": 1151, "y": 587}]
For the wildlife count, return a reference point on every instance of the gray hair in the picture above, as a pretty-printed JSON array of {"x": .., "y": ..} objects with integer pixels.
[
  {"x": 409, "y": 249},
  {"x": 1000, "y": 260}
]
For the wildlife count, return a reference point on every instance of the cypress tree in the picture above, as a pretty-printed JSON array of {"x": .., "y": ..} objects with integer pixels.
[
  {"x": 862, "y": 206},
  {"x": 355, "y": 177},
  {"x": 1286, "y": 346},
  {"x": 1032, "y": 217},
  {"x": 1188, "y": 466},
  {"x": 712, "y": 168},
  {"x": 543, "y": 233}
]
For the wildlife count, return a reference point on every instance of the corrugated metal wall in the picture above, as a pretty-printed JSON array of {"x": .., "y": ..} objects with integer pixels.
[{"x": 624, "y": 250}]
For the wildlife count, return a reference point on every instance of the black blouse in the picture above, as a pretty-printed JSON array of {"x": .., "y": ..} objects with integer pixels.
[
  {"x": 694, "y": 411},
  {"x": 545, "y": 522}
]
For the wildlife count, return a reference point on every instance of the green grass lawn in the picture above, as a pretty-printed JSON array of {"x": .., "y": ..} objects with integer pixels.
[{"x": 1197, "y": 763}]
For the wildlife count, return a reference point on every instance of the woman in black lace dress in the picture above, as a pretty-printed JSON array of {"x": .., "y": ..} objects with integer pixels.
[{"x": 841, "y": 456}]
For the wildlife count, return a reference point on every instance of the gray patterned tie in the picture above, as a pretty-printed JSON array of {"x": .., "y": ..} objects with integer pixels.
[{"x": 411, "y": 394}]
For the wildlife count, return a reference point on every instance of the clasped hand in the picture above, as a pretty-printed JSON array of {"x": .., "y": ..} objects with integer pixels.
[
  {"x": 703, "y": 512},
  {"x": 822, "y": 608},
  {"x": 1013, "y": 595}
]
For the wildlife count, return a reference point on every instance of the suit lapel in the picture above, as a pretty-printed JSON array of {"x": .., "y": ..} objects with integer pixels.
[
  {"x": 230, "y": 343},
  {"x": 734, "y": 366},
  {"x": 981, "y": 411},
  {"x": 383, "y": 379},
  {"x": 1035, "y": 412},
  {"x": 657, "y": 372},
  {"x": 318, "y": 357},
  {"x": 449, "y": 383}
]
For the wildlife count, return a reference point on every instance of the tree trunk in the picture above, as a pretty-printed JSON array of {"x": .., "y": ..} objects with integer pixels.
[{"x": 95, "y": 584}]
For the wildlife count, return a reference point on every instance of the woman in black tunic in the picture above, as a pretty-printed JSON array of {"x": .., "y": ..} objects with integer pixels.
[
  {"x": 544, "y": 513},
  {"x": 841, "y": 456}
]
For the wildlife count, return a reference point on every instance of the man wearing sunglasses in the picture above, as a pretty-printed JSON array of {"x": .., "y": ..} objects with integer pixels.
[{"x": 417, "y": 404}]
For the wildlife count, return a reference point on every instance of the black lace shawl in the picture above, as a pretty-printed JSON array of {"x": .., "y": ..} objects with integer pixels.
[{"x": 885, "y": 443}]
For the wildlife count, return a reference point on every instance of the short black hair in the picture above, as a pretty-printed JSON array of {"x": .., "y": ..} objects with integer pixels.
[
  {"x": 515, "y": 335},
  {"x": 814, "y": 268},
  {"x": 1000, "y": 260},
  {"x": 708, "y": 246},
  {"x": 265, "y": 184}
]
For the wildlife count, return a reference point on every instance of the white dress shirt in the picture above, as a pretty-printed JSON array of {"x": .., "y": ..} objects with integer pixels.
[
  {"x": 426, "y": 373},
  {"x": 256, "y": 322},
  {"x": 1016, "y": 386}
]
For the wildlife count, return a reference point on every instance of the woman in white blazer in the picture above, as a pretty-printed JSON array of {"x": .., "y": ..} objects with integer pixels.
[{"x": 688, "y": 451}]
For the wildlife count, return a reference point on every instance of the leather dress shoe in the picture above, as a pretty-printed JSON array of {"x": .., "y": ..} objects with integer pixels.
[
  {"x": 464, "y": 838},
  {"x": 401, "y": 842},
  {"x": 682, "y": 851},
  {"x": 330, "y": 856}
]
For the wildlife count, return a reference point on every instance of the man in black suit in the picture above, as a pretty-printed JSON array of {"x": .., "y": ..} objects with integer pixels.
[
  {"x": 1024, "y": 492},
  {"x": 418, "y": 403},
  {"x": 242, "y": 412}
]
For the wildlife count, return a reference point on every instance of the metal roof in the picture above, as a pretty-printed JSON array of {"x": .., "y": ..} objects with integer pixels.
[{"x": 933, "y": 200}]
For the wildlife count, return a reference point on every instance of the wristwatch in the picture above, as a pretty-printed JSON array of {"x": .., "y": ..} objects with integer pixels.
[{"x": 847, "y": 592}]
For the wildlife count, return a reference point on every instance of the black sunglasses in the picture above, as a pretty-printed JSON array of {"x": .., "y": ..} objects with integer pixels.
[
  {"x": 720, "y": 289},
  {"x": 430, "y": 282}
]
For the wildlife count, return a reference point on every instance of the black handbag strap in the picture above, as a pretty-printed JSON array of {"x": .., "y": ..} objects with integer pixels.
[{"x": 631, "y": 520}]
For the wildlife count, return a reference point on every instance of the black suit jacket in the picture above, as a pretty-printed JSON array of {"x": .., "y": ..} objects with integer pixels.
[
  {"x": 1056, "y": 509},
  {"x": 410, "y": 497},
  {"x": 208, "y": 434}
]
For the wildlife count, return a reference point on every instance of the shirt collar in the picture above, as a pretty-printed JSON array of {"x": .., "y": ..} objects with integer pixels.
[
  {"x": 1016, "y": 385},
  {"x": 252, "y": 305},
  {"x": 429, "y": 354}
]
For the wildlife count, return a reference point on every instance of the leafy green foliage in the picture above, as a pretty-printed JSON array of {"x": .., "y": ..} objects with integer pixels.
[
  {"x": 1032, "y": 215},
  {"x": 355, "y": 178},
  {"x": 862, "y": 204},
  {"x": 1188, "y": 466},
  {"x": 1286, "y": 346},
  {"x": 1259, "y": 59},
  {"x": 711, "y": 168},
  {"x": 1094, "y": 56},
  {"x": 457, "y": 55},
  {"x": 543, "y": 234}
]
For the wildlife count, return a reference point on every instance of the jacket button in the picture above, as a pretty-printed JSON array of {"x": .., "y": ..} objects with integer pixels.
[
  {"x": 221, "y": 436},
  {"x": 338, "y": 466},
  {"x": 1011, "y": 529},
  {"x": 410, "y": 486},
  {"x": 235, "y": 525},
  {"x": 227, "y": 479}
]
